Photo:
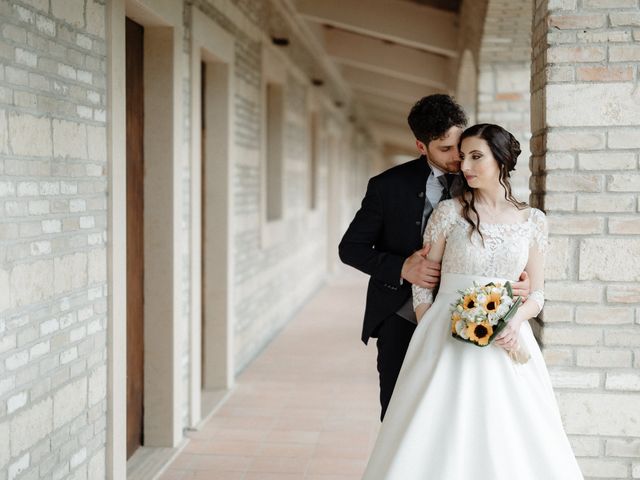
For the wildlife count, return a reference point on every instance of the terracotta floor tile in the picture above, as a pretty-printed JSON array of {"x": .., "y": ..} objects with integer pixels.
[
  {"x": 247, "y": 422},
  {"x": 279, "y": 465},
  {"x": 299, "y": 450},
  {"x": 213, "y": 475},
  {"x": 293, "y": 436},
  {"x": 308, "y": 412},
  {"x": 305, "y": 409},
  {"x": 299, "y": 423},
  {"x": 221, "y": 463},
  {"x": 174, "y": 475},
  {"x": 223, "y": 447},
  {"x": 344, "y": 438},
  {"x": 182, "y": 462},
  {"x": 336, "y": 466},
  {"x": 244, "y": 411},
  {"x": 342, "y": 451},
  {"x": 333, "y": 477},
  {"x": 240, "y": 435},
  {"x": 347, "y": 425},
  {"x": 271, "y": 476}
]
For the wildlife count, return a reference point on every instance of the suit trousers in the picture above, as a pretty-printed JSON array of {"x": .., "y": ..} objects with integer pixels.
[{"x": 394, "y": 335}]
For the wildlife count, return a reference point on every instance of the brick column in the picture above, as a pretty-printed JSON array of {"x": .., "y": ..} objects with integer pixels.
[{"x": 585, "y": 110}]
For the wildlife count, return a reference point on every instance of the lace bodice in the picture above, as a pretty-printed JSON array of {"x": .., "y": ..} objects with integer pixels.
[{"x": 506, "y": 247}]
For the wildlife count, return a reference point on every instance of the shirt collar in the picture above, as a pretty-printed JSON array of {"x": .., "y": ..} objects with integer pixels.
[{"x": 435, "y": 171}]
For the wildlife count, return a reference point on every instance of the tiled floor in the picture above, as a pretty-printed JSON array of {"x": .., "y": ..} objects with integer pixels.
[{"x": 306, "y": 408}]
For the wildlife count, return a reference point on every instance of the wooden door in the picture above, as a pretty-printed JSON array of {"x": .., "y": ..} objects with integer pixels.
[
  {"x": 135, "y": 238},
  {"x": 203, "y": 204}
]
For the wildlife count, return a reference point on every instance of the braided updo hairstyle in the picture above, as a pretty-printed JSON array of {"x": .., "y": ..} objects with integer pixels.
[{"x": 505, "y": 149}]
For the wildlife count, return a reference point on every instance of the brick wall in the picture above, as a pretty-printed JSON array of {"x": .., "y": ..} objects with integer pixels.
[
  {"x": 585, "y": 160},
  {"x": 52, "y": 239}
]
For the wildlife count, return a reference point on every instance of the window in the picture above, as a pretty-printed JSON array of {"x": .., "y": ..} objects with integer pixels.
[
  {"x": 313, "y": 161},
  {"x": 274, "y": 151}
]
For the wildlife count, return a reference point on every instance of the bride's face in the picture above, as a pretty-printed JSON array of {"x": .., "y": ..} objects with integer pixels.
[{"x": 479, "y": 167}]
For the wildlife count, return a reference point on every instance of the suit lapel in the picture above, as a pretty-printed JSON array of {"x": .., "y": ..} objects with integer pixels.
[{"x": 418, "y": 182}]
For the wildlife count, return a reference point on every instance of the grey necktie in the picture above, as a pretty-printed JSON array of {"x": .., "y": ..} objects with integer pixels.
[{"x": 445, "y": 181}]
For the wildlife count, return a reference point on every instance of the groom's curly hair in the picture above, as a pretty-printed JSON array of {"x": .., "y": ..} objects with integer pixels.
[{"x": 433, "y": 115}]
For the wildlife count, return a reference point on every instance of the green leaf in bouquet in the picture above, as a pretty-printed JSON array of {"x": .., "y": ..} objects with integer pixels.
[
  {"x": 513, "y": 309},
  {"x": 497, "y": 329},
  {"x": 509, "y": 289}
]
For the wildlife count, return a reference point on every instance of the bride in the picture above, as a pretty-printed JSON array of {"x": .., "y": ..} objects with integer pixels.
[{"x": 459, "y": 412}]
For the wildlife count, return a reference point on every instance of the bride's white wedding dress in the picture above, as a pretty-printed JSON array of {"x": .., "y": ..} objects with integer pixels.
[{"x": 461, "y": 412}]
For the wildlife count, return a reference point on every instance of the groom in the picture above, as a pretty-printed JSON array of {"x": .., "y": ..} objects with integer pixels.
[{"x": 384, "y": 240}]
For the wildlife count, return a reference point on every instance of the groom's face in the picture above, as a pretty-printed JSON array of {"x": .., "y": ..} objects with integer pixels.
[{"x": 443, "y": 152}]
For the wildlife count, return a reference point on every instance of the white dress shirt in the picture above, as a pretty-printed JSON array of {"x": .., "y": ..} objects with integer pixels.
[{"x": 434, "y": 188}]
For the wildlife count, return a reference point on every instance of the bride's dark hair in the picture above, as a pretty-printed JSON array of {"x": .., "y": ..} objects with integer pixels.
[{"x": 505, "y": 149}]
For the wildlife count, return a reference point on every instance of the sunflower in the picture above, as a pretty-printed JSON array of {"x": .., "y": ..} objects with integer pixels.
[
  {"x": 470, "y": 301},
  {"x": 454, "y": 320},
  {"x": 492, "y": 302},
  {"x": 480, "y": 333}
]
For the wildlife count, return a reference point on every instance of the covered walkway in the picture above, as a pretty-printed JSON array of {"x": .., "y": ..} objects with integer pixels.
[{"x": 306, "y": 408}]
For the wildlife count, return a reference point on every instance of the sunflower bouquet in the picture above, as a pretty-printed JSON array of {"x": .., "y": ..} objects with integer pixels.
[{"x": 482, "y": 312}]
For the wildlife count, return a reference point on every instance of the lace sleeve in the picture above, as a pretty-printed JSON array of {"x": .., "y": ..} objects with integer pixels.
[
  {"x": 538, "y": 297},
  {"x": 421, "y": 295},
  {"x": 440, "y": 222},
  {"x": 438, "y": 228},
  {"x": 538, "y": 247},
  {"x": 540, "y": 231}
]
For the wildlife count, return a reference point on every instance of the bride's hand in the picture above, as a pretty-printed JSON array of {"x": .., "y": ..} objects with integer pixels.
[
  {"x": 508, "y": 337},
  {"x": 522, "y": 287}
]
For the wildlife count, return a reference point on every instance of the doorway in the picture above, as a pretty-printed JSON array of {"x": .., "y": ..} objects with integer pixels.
[
  {"x": 211, "y": 332},
  {"x": 135, "y": 234}
]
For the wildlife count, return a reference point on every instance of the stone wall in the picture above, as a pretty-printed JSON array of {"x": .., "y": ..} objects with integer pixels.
[
  {"x": 585, "y": 116},
  {"x": 52, "y": 239}
]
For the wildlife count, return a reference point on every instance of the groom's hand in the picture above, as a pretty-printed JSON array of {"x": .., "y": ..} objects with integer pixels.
[
  {"x": 522, "y": 287},
  {"x": 420, "y": 271}
]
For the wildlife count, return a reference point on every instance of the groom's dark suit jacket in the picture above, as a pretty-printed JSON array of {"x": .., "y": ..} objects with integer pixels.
[{"x": 384, "y": 232}]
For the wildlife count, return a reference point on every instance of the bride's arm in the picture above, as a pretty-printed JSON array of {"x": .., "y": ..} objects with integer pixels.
[
  {"x": 423, "y": 297},
  {"x": 534, "y": 303},
  {"x": 435, "y": 235}
]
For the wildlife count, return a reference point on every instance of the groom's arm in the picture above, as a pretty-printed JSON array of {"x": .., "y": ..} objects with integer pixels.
[{"x": 358, "y": 245}]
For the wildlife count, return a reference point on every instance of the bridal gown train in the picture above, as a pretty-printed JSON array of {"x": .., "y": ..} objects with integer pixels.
[{"x": 461, "y": 412}]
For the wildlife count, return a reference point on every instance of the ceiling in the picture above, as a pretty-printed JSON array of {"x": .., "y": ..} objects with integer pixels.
[
  {"x": 390, "y": 54},
  {"x": 450, "y": 5}
]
